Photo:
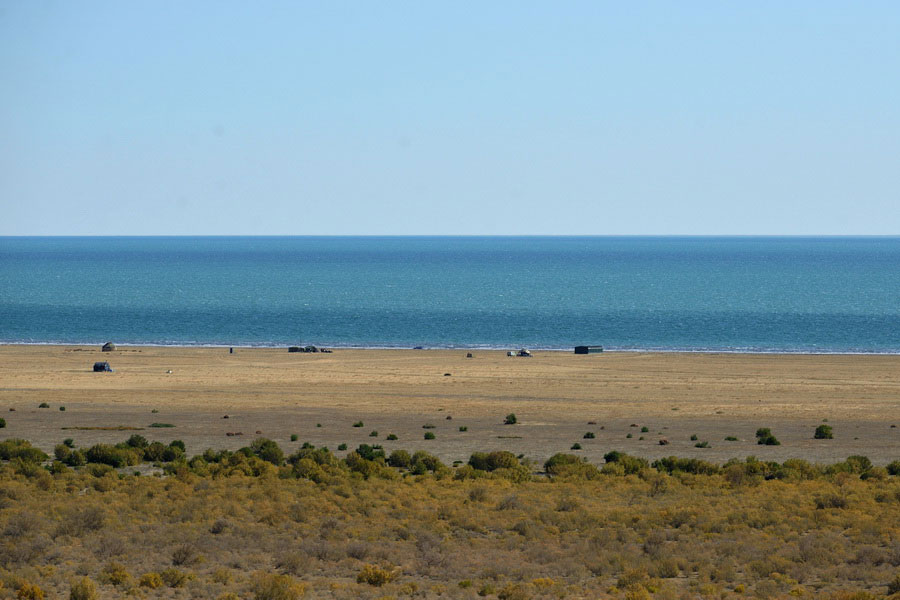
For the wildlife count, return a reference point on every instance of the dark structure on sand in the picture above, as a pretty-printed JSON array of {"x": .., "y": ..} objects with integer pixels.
[
  {"x": 102, "y": 367},
  {"x": 108, "y": 347},
  {"x": 588, "y": 349}
]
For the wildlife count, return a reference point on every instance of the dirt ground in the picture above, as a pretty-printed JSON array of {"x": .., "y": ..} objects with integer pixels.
[{"x": 557, "y": 397}]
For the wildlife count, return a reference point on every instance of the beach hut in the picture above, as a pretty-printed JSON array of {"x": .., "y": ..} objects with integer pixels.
[
  {"x": 588, "y": 349},
  {"x": 523, "y": 352},
  {"x": 102, "y": 367},
  {"x": 108, "y": 347}
]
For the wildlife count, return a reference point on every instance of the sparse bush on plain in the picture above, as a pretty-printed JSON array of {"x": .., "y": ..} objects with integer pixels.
[
  {"x": 376, "y": 576},
  {"x": 510, "y": 419},
  {"x": 823, "y": 432},
  {"x": 83, "y": 589},
  {"x": 765, "y": 437}
]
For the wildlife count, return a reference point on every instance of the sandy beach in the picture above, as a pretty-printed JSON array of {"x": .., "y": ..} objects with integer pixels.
[{"x": 556, "y": 396}]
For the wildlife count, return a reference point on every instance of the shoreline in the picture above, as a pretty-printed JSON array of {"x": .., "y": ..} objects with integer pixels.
[{"x": 481, "y": 348}]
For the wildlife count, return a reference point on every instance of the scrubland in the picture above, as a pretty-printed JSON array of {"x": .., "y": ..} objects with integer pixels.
[{"x": 257, "y": 523}]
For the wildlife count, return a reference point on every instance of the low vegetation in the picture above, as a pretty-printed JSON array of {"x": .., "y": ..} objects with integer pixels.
[{"x": 261, "y": 523}]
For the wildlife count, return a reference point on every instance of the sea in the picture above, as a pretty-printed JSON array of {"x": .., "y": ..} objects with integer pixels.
[{"x": 697, "y": 294}]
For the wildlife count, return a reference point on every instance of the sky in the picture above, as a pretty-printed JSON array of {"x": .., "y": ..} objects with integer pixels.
[{"x": 449, "y": 118}]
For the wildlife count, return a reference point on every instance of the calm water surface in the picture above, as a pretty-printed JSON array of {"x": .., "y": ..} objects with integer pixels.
[{"x": 661, "y": 293}]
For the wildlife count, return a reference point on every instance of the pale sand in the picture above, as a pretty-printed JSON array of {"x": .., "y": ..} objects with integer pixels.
[{"x": 553, "y": 394}]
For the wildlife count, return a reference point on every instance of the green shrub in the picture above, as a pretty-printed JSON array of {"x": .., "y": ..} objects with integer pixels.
[
  {"x": 694, "y": 437},
  {"x": 491, "y": 461},
  {"x": 894, "y": 467},
  {"x": 137, "y": 441},
  {"x": 428, "y": 426},
  {"x": 629, "y": 436},
  {"x": 342, "y": 447},
  {"x": 370, "y": 452},
  {"x": 358, "y": 424},
  {"x": 21, "y": 449},
  {"x": 730, "y": 438},
  {"x": 69, "y": 442},
  {"x": 703, "y": 444},
  {"x": 764, "y": 437},
  {"x": 589, "y": 435},
  {"x": 463, "y": 428},
  {"x": 823, "y": 432},
  {"x": 562, "y": 465},
  {"x": 62, "y": 409},
  {"x": 43, "y": 405},
  {"x": 294, "y": 437},
  {"x": 429, "y": 435},
  {"x": 161, "y": 425},
  {"x": 575, "y": 446},
  {"x": 645, "y": 429},
  {"x": 113, "y": 456},
  {"x": 673, "y": 464},
  {"x": 631, "y": 464},
  {"x": 510, "y": 419},
  {"x": 391, "y": 437},
  {"x": 267, "y": 450},
  {"x": 373, "y": 433},
  {"x": 399, "y": 459}
]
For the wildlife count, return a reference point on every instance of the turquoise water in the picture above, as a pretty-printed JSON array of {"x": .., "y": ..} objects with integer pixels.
[{"x": 654, "y": 293}]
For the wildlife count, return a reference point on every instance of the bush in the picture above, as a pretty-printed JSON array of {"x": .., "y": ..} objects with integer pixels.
[
  {"x": 645, "y": 429},
  {"x": 491, "y": 461},
  {"x": 137, "y": 441},
  {"x": 373, "y": 433},
  {"x": 589, "y": 435},
  {"x": 83, "y": 589},
  {"x": 562, "y": 465},
  {"x": 294, "y": 437},
  {"x": 375, "y": 575},
  {"x": 2, "y": 422},
  {"x": 399, "y": 459},
  {"x": 370, "y": 452},
  {"x": 29, "y": 591},
  {"x": 115, "y": 574},
  {"x": 694, "y": 437},
  {"x": 894, "y": 468},
  {"x": 823, "y": 432},
  {"x": 463, "y": 428},
  {"x": 277, "y": 587},
  {"x": 358, "y": 424},
  {"x": 113, "y": 456},
  {"x": 342, "y": 447},
  {"x": 764, "y": 437},
  {"x": 673, "y": 464},
  {"x": 510, "y": 419},
  {"x": 175, "y": 578},
  {"x": 22, "y": 449},
  {"x": 429, "y": 435},
  {"x": 151, "y": 580},
  {"x": 575, "y": 446},
  {"x": 62, "y": 409},
  {"x": 267, "y": 450},
  {"x": 701, "y": 445},
  {"x": 631, "y": 464},
  {"x": 391, "y": 437},
  {"x": 43, "y": 405},
  {"x": 69, "y": 442}
]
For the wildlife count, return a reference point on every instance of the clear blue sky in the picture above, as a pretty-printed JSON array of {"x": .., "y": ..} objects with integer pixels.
[{"x": 449, "y": 117}]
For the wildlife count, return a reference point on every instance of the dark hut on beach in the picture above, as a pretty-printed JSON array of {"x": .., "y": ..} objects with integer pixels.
[
  {"x": 102, "y": 367},
  {"x": 108, "y": 347}
]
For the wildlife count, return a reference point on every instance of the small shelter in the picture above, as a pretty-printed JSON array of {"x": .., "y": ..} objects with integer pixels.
[
  {"x": 588, "y": 349},
  {"x": 108, "y": 347},
  {"x": 102, "y": 367},
  {"x": 523, "y": 352}
]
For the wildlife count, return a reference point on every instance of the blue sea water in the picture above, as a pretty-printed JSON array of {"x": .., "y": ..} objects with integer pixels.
[{"x": 756, "y": 294}]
